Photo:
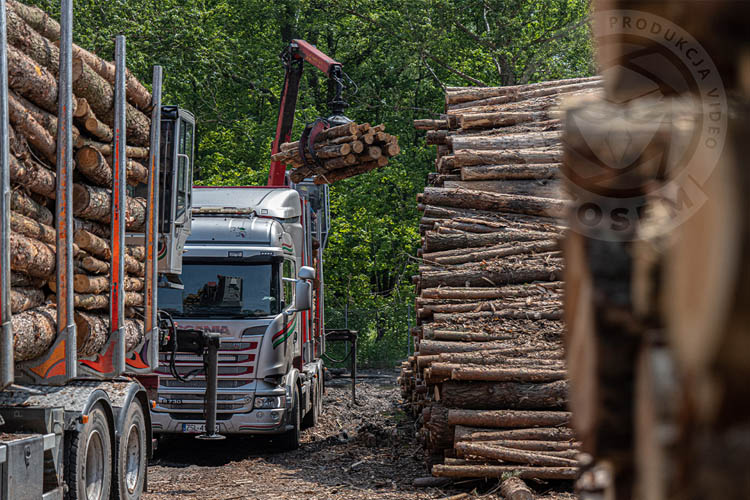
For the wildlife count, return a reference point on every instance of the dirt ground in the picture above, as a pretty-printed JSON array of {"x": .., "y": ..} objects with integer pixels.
[{"x": 357, "y": 451}]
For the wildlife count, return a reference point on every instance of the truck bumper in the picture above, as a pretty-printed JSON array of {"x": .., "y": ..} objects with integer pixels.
[{"x": 254, "y": 422}]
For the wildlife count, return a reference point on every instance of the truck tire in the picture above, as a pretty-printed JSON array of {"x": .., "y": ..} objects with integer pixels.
[
  {"x": 130, "y": 470},
  {"x": 311, "y": 418},
  {"x": 88, "y": 464},
  {"x": 290, "y": 439}
]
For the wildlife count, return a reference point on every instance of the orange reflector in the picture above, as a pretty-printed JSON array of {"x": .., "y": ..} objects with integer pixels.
[
  {"x": 84, "y": 419},
  {"x": 153, "y": 404}
]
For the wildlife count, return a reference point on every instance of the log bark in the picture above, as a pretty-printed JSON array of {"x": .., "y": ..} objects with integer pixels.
[
  {"x": 138, "y": 252},
  {"x": 430, "y": 124},
  {"x": 514, "y": 488},
  {"x": 510, "y": 172},
  {"x": 31, "y": 80},
  {"x": 31, "y": 256},
  {"x": 44, "y": 118},
  {"x": 39, "y": 20},
  {"x": 34, "y": 332},
  {"x": 21, "y": 203},
  {"x": 134, "y": 267},
  {"x": 429, "y": 347},
  {"x": 92, "y": 243},
  {"x": 473, "y": 157},
  {"x": 93, "y": 332},
  {"x": 556, "y": 448},
  {"x": 498, "y": 202},
  {"x": 18, "y": 279},
  {"x": 475, "y": 94},
  {"x": 500, "y": 471},
  {"x": 516, "y": 374},
  {"x": 92, "y": 264},
  {"x": 106, "y": 149},
  {"x": 136, "y": 94},
  {"x": 487, "y": 450},
  {"x": 508, "y": 418},
  {"x": 98, "y": 169},
  {"x": 510, "y": 395},
  {"x": 91, "y": 202},
  {"x": 492, "y": 293},
  {"x": 100, "y": 96},
  {"x": 31, "y": 228},
  {"x": 344, "y": 173},
  {"x": 32, "y": 176},
  {"x": 522, "y": 97},
  {"x": 551, "y": 271},
  {"x": 93, "y": 227},
  {"x": 25, "y": 298},
  {"x": 25, "y": 124},
  {"x": 556, "y": 434},
  {"x": 438, "y": 242},
  {"x": 505, "y": 141}
]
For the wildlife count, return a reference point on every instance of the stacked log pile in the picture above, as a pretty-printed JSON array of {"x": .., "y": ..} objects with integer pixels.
[
  {"x": 487, "y": 382},
  {"x": 33, "y": 63},
  {"x": 342, "y": 152}
]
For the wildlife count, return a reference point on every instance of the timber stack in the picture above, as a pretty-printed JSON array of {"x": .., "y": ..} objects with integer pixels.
[
  {"x": 488, "y": 380},
  {"x": 33, "y": 64},
  {"x": 342, "y": 151}
]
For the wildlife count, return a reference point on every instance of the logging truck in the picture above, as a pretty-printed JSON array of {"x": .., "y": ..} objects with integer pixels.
[
  {"x": 76, "y": 364},
  {"x": 247, "y": 267},
  {"x": 254, "y": 275}
]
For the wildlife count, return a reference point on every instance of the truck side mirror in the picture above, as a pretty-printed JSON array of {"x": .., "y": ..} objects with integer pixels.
[
  {"x": 306, "y": 273},
  {"x": 302, "y": 295}
]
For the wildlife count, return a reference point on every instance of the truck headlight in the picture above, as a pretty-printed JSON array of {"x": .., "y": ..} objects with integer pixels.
[{"x": 268, "y": 402}]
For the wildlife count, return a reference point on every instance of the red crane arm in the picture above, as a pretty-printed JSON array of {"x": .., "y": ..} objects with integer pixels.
[{"x": 298, "y": 52}]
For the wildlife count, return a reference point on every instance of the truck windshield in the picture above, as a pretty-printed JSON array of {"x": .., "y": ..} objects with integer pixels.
[{"x": 224, "y": 290}]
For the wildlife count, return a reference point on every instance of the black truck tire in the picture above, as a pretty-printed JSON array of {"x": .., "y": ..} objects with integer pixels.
[
  {"x": 290, "y": 439},
  {"x": 311, "y": 418},
  {"x": 130, "y": 470},
  {"x": 88, "y": 464}
]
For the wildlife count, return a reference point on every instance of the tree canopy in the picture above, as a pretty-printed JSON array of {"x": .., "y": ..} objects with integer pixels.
[{"x": 221, "y": 61}]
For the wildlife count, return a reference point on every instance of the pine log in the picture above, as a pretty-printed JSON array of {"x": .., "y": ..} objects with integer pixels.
[
  {"x": 138, "y": 252},
  {"x": 98, "y": 169},
  {"x": 21, "y": 203},
  {"x": 492, "y": 293},
  {"x": 134, "y": 267},
  {"x": 487, "y": 450},
  {"x": 338, "y": 131},
  {"x": 505, "y": 141},
  {"x": 83, "y": 283},
  {"x": 39, "y": 20},
  {"x": 18, "y": 279},
  {"x": 106, "y": 149},
  {"x": 437, "y": 137},
  {"x": 471, "y": 253},
  {"x": 514, "y": 488},
  {"x": 32, "y": 176},
  {"x": 462, "y": 336},
  {"x": 92, "y": 264},
  {"x": 429, "y": 347},
  {"x": 344, "y": 173},
  {"x": 469, "y": 94},
  {"x": 31, "y": 80},
  {"x": 481, "y": 200},
  {"x": 25, "y": 298},
  {"x": 500, "y": 471},
  {"x": 25, "y": 124},
  {"x": 556, "y": 448},
  {"x": 93, "y": 333},
  {"x": 542, "y": 271},
  {"x": 508, "y": 418},
  {"x": 45, "y": 119},
  {"x": 100, "y": 96},
  {"x": 438, "y": 242},
  {"x": 135, "y": 93},
  {"x": 34, "y": 332},
  {"x": 31, "y": 256},
  {"x": 101, "y": 230},
  {"x": 473, "y": 157},
  {"x": 553, "y": 91},
  {"x": 92, "y": 243},
  {"x": 539, "y": 434},
  {"x": 98, "y": 129},
  {"x": 548, "y": 313},
  {"x": 31, "y": 228},
  {"x": 516, "y": 374},
  {"x": 91, "y": 202},
  {"x": 430, "y": 124},
  {"x": 513, "y": 395},
  {"x": 510, "y": 172}
]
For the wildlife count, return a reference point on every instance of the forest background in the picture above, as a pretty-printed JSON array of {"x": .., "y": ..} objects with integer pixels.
[{"x": 221, "y": 61}]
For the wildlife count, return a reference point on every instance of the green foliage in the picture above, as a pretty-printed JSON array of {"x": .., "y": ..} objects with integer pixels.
[{"x": 221, "y": 61}]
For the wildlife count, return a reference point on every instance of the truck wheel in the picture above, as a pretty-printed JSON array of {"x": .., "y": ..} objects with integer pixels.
[
  {"x": 290, "y": 439},
  {"x": 131, "y": 455},
  {"x": 311, "y": 418},
  {"x": 88, "y": 467}
]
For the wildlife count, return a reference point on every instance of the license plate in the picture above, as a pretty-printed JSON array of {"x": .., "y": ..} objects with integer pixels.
[{"x": 196, "y": 428}]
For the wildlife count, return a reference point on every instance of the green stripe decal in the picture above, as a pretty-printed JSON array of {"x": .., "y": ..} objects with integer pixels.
[
  {"x": 289, "y": 331},
  {"x": 287, "y": 248}
]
